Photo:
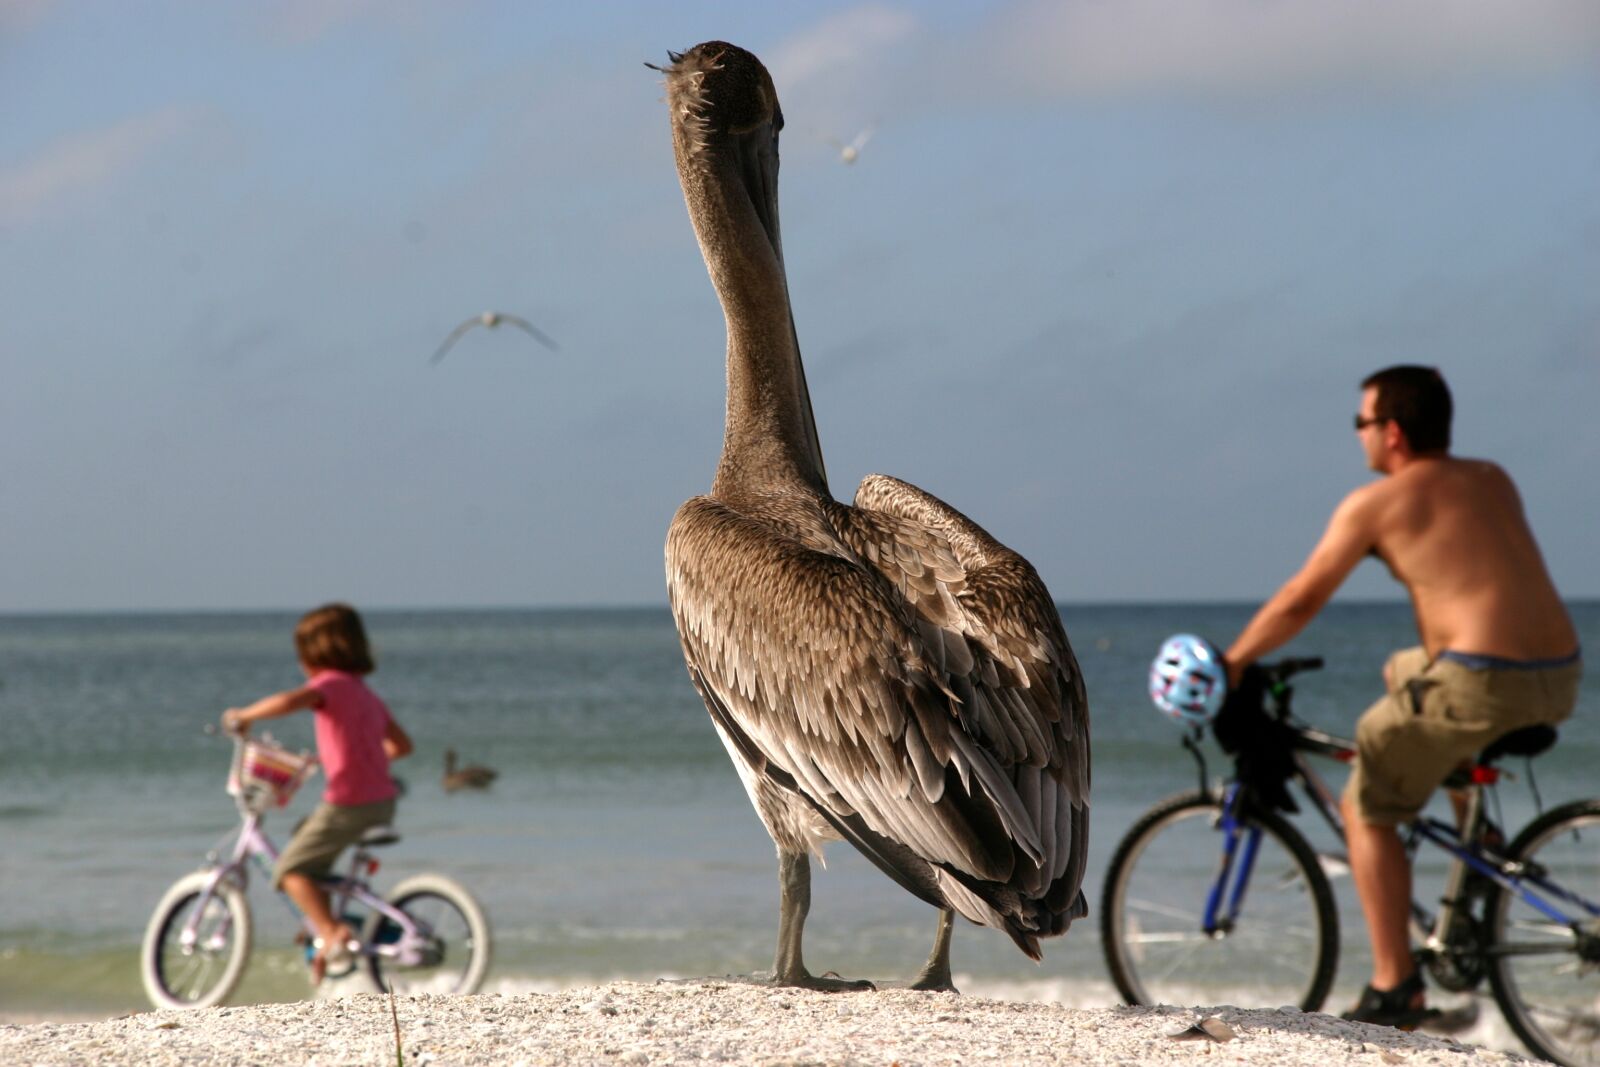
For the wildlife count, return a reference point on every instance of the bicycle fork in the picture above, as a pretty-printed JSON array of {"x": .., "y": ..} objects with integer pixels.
[
  {"x": 1240, "y": 844},
  {"x": 218, "y": 932}
]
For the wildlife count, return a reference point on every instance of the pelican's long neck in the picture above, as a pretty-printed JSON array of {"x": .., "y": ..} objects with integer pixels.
[{"x": 770, "y": 436}]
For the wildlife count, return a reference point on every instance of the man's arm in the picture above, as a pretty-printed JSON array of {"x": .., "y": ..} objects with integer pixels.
[{"x": 1350, "y": 536}]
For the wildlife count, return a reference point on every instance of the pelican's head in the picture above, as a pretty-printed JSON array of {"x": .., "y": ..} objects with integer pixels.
[
  {"x": 725, "y": 110},
  {"x": 720, "y": 93}
]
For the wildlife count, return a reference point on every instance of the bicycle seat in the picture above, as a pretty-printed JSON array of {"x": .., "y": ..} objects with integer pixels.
[
  {"x": 1528, "y": 741},
  {"x": 378, "y": 836}
]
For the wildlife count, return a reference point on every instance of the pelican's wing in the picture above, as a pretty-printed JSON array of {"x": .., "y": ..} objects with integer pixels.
[
  {"x": 1005, "y": 653},
  {"x": 817, "y": 670},
  {"x": 527, "y": 327},
  {"x": 861, "y": 139},
  {"x": 455, "y": 335}
]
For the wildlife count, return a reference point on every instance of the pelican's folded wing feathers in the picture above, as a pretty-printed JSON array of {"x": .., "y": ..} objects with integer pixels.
[{"x": 1023, "y": 695}]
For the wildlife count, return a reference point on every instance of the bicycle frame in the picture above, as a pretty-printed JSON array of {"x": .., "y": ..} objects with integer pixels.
[
  {"x": 1241, "y": 840},
  {"x": 413, "y": 947}
]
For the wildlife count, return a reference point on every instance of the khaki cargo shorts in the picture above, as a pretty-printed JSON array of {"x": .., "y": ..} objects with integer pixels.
[
  {"x": 326, "y": 832},
  {"x": 1438, "y": 714}
]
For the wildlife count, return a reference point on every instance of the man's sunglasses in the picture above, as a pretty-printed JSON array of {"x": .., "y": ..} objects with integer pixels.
[{"x": 1362, "y": 424}]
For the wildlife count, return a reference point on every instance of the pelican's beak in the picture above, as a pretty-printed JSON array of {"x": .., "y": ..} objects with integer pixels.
[{"x": 758, "y": 167}]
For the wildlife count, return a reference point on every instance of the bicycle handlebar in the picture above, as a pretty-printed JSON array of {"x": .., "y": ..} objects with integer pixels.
[{"x": 1285, "y": 669}]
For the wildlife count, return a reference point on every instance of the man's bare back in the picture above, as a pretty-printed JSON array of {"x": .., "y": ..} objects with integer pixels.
[{"x": 1453, "y": 532}]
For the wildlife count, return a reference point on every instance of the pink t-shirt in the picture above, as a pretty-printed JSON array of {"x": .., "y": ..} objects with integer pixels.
[{"x": 351, "y": 724}]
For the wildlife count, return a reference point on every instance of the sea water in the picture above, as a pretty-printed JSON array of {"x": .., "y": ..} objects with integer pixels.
[{"x": 617, "y": 841}]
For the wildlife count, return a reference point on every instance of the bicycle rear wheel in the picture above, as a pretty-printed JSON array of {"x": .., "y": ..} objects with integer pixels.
[
  {"x": 454, "y": 957},
  {"x": 201, "y": 974},
  {"x": 1283, "y": 947},
  {"x": 1545, "y": 977}
]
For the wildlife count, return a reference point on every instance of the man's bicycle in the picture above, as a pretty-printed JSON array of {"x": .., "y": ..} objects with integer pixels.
[
  {"x": 1216, "y": 884},
  {"x": 428, "y": 935}
]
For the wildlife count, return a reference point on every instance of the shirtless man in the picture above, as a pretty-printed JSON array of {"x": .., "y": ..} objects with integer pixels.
[{"x": 1498, "y": 651}]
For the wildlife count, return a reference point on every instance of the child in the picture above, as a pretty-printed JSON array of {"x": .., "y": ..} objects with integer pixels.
[{"x": 356, "y": 739}]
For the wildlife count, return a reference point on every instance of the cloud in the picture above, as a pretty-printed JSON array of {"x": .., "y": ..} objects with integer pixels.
[
  {"x": 839, "y": 44},
  {"x": 1086, "y": 47},
  {"x": 84, "y": 162}
]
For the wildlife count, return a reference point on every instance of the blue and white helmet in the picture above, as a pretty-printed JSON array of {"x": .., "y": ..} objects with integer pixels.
[{"x": 1188, "y": 679}]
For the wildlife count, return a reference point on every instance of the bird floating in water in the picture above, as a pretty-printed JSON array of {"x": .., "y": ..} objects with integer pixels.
[
  {"x": 884, "y": 672},
  {"x": 471, "y": 776},
  {"x": 849, "y": 153},
  {"x": 491, "y": 320}
]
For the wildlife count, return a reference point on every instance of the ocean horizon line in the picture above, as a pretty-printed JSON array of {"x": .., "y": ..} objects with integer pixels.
[{"x": 379, "y": 610}]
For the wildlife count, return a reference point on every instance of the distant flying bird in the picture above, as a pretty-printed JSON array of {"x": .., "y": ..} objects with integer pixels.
[
  {"x": 471, "y": 776},
  {"x": 492, "y": 319},
  {"x": 849, "y": 153},
  {"x": 885, "y": 672}
]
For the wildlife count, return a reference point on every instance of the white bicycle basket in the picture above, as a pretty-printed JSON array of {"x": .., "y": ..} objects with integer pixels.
[{"x": 265, "y": 774}]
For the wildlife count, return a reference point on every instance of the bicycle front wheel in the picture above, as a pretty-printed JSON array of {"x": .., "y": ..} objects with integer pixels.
[
  {"x": 1281, "y": 948},
  {"x": 1545, "y": 974},
  {"x": 448, "y": 950},
  {"x": 199, "y": 970}
]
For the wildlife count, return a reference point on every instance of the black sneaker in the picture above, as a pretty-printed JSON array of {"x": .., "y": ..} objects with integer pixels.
[{"x": 1392, "y": 1007}]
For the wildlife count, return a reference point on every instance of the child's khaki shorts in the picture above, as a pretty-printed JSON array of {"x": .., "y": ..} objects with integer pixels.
[
  {"x": 1437, "y": 715},
  {"x": 327, "y": 831}
]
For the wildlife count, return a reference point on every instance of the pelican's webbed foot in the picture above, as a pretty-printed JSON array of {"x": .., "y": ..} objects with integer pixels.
[{"x": 825, "y": 983}]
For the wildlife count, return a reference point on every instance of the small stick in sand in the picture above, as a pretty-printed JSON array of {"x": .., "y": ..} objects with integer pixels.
[{"x": 399, "y": 1056}]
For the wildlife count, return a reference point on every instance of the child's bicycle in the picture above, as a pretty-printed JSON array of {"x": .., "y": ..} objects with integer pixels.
[
  {"x": 429, "y": 935},
  {"x": 1215, "y": 884}
]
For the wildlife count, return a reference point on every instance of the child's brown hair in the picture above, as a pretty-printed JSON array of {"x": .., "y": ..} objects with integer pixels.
[{"x": 332, "y": 637}]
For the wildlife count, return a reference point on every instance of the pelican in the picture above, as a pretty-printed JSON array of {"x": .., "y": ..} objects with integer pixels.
[
  {"x": 490, "y": 320},
  {"x": 471, "y": 776},
  {"x": 885, "y": 672}
]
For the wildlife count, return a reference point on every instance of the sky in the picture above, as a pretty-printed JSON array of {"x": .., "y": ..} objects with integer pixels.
[{"x": 1106, "y": 276}]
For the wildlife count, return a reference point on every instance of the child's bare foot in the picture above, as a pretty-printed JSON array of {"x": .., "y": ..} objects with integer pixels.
[{"x": 333, "y": 949}]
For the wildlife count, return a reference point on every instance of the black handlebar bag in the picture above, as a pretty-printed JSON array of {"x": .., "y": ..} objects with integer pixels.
[{"x": 1261, "y": 743}]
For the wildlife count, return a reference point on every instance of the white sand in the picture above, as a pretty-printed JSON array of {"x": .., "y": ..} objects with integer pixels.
[{"x": 719, "y": 1022}]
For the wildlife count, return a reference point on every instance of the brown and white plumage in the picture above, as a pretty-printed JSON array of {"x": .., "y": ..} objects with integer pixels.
[
  {"x": 885, "y": 672},
  {"x": 472, "y": 776}
]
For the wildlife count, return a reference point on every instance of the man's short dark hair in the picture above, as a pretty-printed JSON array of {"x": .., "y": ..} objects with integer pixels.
[{"x": 1417, "y": 399}]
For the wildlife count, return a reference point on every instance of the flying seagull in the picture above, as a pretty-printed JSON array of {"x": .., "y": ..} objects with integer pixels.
[
  {"x": 884, "y": 672},
  {"x": 490, "y": 320},
  {"x": 849, "y": 153}
]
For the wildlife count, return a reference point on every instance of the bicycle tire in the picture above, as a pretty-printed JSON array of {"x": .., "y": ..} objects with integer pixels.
[
  {"x": 1532, "y": 991},
  {"x": 208, "y": 974},
  {"x": 455, "y": 918},
  {"x": 1255, "y": 957}
]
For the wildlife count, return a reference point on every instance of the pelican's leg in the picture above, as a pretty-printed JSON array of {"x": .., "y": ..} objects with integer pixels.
[
  {"x": 936, "y": 972},
  {"x": 794, "y": 901}
]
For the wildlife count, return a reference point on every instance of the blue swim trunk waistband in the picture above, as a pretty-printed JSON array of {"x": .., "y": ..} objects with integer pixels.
[{"x": 1474, "y": 662}]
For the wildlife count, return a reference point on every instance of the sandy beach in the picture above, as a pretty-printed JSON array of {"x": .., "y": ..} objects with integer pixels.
[{"x": 721, "y": 1022}]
